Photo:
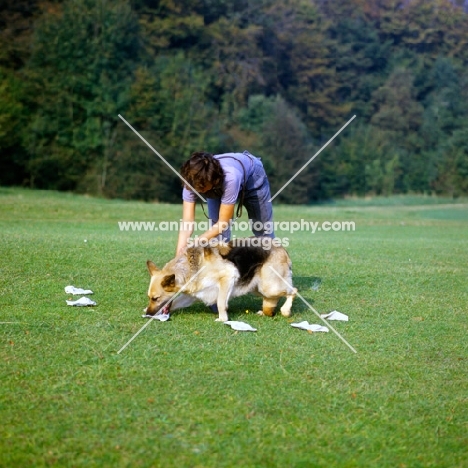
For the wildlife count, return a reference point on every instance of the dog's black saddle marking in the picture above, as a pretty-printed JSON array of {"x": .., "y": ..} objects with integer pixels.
[{"x": 247, "y": 260}]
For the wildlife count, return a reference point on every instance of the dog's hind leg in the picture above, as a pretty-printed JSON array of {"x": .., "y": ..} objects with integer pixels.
[
  {"x": 268, "y": 306},
  {"x": 286, "y": 308}
]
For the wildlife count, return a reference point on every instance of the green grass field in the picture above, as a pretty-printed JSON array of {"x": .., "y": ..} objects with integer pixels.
[{"x": 192, "y": 392}]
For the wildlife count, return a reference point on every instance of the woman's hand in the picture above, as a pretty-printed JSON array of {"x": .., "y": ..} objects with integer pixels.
[
  {"x": 226, "y": 212},
  {"x": 186, "y": 229}
]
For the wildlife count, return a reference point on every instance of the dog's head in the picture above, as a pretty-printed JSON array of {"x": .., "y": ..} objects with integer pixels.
[{"x": 163, "y": 287}]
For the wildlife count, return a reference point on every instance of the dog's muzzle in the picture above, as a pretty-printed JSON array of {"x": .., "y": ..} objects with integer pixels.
[{"x": 162, "y": 310}]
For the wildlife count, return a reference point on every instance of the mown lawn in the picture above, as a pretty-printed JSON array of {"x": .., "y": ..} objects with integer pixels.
[{"x": 192, "y": 392}]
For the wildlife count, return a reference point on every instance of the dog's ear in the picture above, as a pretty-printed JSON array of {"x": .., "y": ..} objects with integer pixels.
[
  {"x": 152, "y": 268},
  {"x": 168, "y": 283}
]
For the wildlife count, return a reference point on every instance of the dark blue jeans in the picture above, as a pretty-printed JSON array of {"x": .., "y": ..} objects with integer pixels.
[{"x": 256, "y": 201}]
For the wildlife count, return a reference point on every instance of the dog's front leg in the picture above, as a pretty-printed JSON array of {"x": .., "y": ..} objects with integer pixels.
[
  {"x": 225, "y": 290},
  {"x": 223, "y": 316}
]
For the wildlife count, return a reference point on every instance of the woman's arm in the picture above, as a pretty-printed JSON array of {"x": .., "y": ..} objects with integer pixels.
[
  {"x": 186, "y": 230},
  {"x": 226, "y": 212}
]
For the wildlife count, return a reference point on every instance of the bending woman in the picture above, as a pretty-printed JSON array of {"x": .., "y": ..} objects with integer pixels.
[{"x": 225, "y": 179}]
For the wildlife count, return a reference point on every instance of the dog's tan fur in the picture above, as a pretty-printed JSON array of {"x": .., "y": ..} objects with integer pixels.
[{"x": 208, "y": 275}]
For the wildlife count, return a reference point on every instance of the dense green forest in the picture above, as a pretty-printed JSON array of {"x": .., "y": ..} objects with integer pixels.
[{"x": 276, "y": 77}]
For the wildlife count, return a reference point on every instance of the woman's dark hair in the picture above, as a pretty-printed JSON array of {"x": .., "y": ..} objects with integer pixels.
[{"x": 202, "y": 169}]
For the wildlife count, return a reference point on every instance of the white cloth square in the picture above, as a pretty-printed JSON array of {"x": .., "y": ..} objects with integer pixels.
[
  {"x": 160, "y": 317},
  {"x": 310, "y": 326},
  {"x": 335, "y": 315},
  {"x": 82, "y": 302},
  {"x": 240, "y": 326},
  {"x": 75, "y": 291}
]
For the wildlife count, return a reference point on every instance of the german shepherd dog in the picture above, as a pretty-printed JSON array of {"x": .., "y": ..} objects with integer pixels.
[{"x": 214, "y": 274}]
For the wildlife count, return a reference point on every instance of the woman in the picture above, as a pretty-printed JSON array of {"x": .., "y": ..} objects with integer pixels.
[{"x": 224, "y": 179}]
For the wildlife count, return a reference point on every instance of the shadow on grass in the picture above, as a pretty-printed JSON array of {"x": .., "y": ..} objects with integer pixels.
[{"x": 304, "y": 284}]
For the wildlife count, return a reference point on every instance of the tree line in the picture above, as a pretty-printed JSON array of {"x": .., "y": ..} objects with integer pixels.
[{"x": 278, "y": 78}]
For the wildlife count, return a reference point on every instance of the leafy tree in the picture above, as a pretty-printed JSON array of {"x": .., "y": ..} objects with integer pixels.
[
  {"x": 169, "y": 109},
  {"x": 360, "y": 59},
  {"x": 447, "y": 100},
  {"x": 363, "y": 161},
  {"x": 396, "y": 109},
  {"x": 13, "y": 119},
  {"x": 452, "y": 176},
  {"x": 446, "y": 112},
  {"x": 429, "y": 28},
  {"x": 285, "y": 145},
  {"x": 16, "y": 26},
  {"x": 236, "y": 60},
  {"x": 223, "y": 75},
  {"x": 169, "y": 24},
  {"x": 380, "y": 175},
  {"x": 81, "y": 65},
  {"x": 306, "y": 74}
]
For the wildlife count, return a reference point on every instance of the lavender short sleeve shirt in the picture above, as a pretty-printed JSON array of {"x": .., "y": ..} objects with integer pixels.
[{"x": 231, "y": 164}]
